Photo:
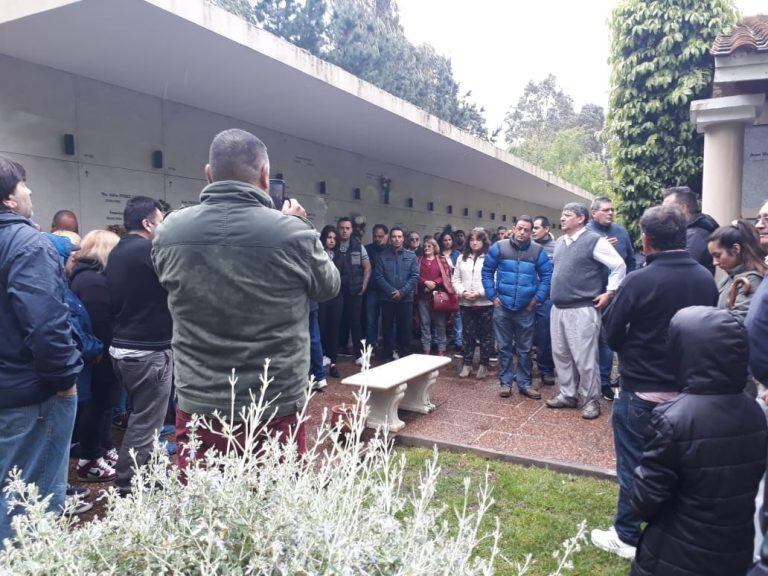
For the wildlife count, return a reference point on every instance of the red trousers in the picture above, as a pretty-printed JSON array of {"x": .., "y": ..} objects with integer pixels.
[{"x": 211, "y": 437}]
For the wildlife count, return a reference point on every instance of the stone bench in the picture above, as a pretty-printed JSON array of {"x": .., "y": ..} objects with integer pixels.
[{"x": 402, "y": 384}]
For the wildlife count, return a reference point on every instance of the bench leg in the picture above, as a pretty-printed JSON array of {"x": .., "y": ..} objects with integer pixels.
[
  {"x": 417, "y": 395},
  {"x": 383, "y": 405}
]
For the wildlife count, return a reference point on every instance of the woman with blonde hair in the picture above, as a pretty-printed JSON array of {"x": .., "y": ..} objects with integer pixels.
[{"x": 97, "y": 453}]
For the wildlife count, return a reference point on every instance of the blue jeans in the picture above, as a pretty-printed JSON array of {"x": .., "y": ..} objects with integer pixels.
[
  {"x": 630, "y": 417},
  {"x": 514, "y": 334},
  {"x": 458, "y": 330},
  {"x": 606, "y": 361},
  {"x": 315, "y": 348},
  {"x": 36, "y": 439},
  {"x": 544, "y": 340}
]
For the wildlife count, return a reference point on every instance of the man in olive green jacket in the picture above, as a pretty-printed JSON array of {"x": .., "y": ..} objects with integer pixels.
[{"x": 239, "y": 276}]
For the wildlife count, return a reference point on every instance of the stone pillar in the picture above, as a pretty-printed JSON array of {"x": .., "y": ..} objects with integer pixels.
[{"x": 722, "y": 120}]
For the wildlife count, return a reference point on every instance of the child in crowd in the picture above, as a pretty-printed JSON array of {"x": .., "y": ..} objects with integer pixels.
[{"x": 704, "y": 455}]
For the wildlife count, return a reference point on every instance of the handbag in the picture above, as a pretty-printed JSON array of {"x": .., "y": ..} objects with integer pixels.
[{"x": 448, "y": 300}]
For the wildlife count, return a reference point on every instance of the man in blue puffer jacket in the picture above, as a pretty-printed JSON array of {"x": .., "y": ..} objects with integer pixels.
[
  {"x": 39, "y": 361},
  {"x": 516, "y": 278}
]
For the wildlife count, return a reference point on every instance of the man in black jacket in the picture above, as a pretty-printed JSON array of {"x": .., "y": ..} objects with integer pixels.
[
  {"x": 699, "y": 226},
  {"x": 141, "y": 340},
  {"x": 39, "y": 361},
  {"x": 636, "y": 325},
  {"x": 355, "y": 276},
  {"x": 701, "y": 466}
]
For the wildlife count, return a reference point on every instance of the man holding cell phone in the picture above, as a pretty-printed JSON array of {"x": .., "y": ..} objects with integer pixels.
[{"x": 240, "y": 275}]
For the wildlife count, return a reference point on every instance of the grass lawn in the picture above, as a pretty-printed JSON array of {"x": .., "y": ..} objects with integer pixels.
[{"x": 537, "y": 509}]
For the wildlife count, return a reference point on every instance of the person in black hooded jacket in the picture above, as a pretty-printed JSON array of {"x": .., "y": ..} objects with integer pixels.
[
  {"x": 700, "y": 226},
  {"x": 704, "y": 455}
]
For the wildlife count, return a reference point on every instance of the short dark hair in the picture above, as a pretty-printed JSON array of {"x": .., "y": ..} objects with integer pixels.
[
  {"x": 137, "y": 209},
  {"x": 599, "y": 201},
  {"x": 525, "y": 218},
  {"x": 395, "y": 229},
  {"x": 502, "y": 227},
  {"x": 664, "y": 227},
  {"x": 237, "y": 155},
  {"x": 11, "y": 173},
  {"x": 381, "y": 227},
  {"x": 344, "y": 219},
  {"x": 544, "y": 221},
  {"x": 578, "y": 209},
  {"x": 60, "y": 216},
  {"x": 685, "y": 197}
]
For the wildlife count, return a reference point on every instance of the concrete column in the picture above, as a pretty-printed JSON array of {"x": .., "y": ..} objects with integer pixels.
[
  {"x": 722, "y": 120},
  {"x": 723, "y": 158}
]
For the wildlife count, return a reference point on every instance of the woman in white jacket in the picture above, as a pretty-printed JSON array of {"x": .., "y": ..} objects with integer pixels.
[{"x": 476, "y": 310}]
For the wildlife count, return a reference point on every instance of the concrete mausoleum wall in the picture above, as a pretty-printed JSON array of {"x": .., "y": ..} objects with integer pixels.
[{"x": 116, "y": 131}]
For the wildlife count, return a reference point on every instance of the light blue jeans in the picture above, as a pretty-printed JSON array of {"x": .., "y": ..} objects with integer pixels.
[
  {"x": 36, "y": 440},
  {"x": 514, "y": 335}
]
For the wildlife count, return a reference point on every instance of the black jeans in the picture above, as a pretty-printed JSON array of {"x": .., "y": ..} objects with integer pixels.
[
  {"x": 329, "y": 318},
  {"x": 351, "y": 321},
  {"x": 400, "y": 313},
  {"x": 93, "y": 428}
]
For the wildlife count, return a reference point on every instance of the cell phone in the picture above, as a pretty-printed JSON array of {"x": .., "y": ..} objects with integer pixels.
[{"x": 277, "y": 192}]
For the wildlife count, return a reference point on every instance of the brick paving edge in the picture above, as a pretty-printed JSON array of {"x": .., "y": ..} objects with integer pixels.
[{"x": 556, "y": 465}]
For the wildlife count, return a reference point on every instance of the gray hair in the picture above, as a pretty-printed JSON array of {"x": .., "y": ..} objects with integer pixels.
[
  {"x": 578, "y": 210},
  {"x": 598, "y": 202}
]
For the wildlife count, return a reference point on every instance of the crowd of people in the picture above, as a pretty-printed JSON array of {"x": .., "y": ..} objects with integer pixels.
[{"x": 142, "y": 330}]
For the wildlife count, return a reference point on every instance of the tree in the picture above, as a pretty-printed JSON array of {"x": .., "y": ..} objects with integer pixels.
[
  {"x": 567, "y": 155},
  {"x": 545, "y": 129},
  {"x": 660, "y": 63},
  {"x": 365, "y": 38},
  {"x": 542, "y": 111}
]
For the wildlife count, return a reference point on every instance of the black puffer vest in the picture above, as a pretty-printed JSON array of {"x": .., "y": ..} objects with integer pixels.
[{"x": 352, "y": 271}]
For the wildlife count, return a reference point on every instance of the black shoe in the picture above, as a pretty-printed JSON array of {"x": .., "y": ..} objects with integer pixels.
[
  {"x": 548, "y": 379},
  {"x": 334, "y": 372},
  {"x": 607, "y": 393},
  {"x": 505, "y": 392}
]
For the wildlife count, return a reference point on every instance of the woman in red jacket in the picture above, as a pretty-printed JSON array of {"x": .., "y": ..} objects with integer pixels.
[{"x": 434, "y": 275}]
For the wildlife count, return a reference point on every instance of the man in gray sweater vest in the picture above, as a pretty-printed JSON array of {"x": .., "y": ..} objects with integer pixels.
[{"x": 577, "y": 297}]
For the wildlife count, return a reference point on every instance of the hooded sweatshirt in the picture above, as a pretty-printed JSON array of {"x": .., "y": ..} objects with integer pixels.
[
  {"x": 38, "y": 357},
  {"x": 704, "y": 455},
  {"x": 697, "y": 239}
]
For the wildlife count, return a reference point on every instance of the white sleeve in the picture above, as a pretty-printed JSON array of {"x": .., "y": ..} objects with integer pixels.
[{"x": 607, "y": 256}]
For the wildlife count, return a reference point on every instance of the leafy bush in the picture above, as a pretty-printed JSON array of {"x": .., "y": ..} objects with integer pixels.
[{"x": 340, "y": 509}]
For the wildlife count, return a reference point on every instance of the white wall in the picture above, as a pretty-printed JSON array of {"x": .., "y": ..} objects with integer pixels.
[{"x": 116, "y": 130}]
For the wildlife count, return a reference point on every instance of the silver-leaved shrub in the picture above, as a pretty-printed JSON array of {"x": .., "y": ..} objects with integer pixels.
[{"x": 343, "y": 508}]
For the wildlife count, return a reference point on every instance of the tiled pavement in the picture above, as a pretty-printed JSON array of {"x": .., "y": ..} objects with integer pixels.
[{"x": 471, "y": 415}]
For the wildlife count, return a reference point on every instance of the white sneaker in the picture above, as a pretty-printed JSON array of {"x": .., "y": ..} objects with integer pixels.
[
  {"x": 609, "y": 541},
  {"x": 320, "y": 384},
  {"x": 466, "y": 370},
  {"x": 326, "y": 361},
  {"x": 359, "y": 361}
]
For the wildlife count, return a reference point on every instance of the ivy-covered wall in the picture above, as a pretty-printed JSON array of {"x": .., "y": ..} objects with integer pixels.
[{"x": 660, "y": 63}]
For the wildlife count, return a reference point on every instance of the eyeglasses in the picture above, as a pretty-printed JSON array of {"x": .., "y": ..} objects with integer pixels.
[{"x": 761, "y": 220}]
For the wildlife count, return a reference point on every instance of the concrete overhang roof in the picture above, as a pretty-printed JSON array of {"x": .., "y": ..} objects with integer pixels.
[{"x": 194, "y": 53}]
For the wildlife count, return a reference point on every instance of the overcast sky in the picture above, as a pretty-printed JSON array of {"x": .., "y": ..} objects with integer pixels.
[{"x": 497, "y": 46}]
